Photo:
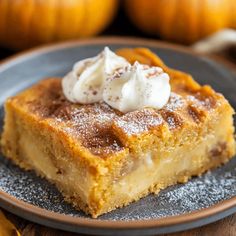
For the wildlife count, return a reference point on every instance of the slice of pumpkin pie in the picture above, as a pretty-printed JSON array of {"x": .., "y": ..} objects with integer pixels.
[{"x": 117, "y": 128}]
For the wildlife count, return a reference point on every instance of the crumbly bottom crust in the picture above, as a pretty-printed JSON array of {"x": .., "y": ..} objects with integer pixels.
[{"x": 218, "y": 155}]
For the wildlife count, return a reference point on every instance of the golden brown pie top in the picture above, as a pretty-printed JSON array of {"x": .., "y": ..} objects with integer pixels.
[{"x": 105, "y": 131}]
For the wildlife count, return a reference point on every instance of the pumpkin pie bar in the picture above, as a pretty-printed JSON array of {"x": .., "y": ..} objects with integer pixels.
[{"x": 102, "y": 159}]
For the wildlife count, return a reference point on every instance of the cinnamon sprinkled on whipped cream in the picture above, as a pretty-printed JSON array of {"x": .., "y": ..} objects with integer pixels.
[
  {"x": 110, "y": 78},
  {"x": 85, "y": 83}
]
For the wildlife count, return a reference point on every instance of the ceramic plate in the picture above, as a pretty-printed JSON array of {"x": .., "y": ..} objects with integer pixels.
[{"x": 202, "y": 200}]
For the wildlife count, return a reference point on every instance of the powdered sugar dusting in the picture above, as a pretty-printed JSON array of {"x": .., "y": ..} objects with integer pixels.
[
  {"x": 139, "y": 121},
  {"x": 198, "y": 193},
  {"x": 91, "y": 124},
  {"x": 95, "y": 126},
  {"x": 202, "y": 102},
  {"x": 176, "y": 101}
]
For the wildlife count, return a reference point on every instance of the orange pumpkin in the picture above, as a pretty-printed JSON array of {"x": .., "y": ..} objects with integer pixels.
[
  {"x": 183, "y": 21},
  {"x": 233, "y": 14},
  {"x": 25, "y": 23}
]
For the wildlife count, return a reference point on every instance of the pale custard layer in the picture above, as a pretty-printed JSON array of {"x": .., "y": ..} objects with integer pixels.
[{"x": 101, "y": 158}]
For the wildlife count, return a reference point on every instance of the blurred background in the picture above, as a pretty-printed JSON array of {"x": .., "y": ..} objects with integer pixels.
[{"x": 206, "y": 25}]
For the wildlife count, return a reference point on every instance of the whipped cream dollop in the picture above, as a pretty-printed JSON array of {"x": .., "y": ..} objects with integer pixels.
[
  {"x": 85, "y": 83},
  {"x": 136, "y": 87},
  {"x": 110, "y": 78}
]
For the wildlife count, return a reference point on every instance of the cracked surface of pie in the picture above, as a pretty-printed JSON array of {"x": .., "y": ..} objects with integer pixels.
[{"x": 101, "y": 159}]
